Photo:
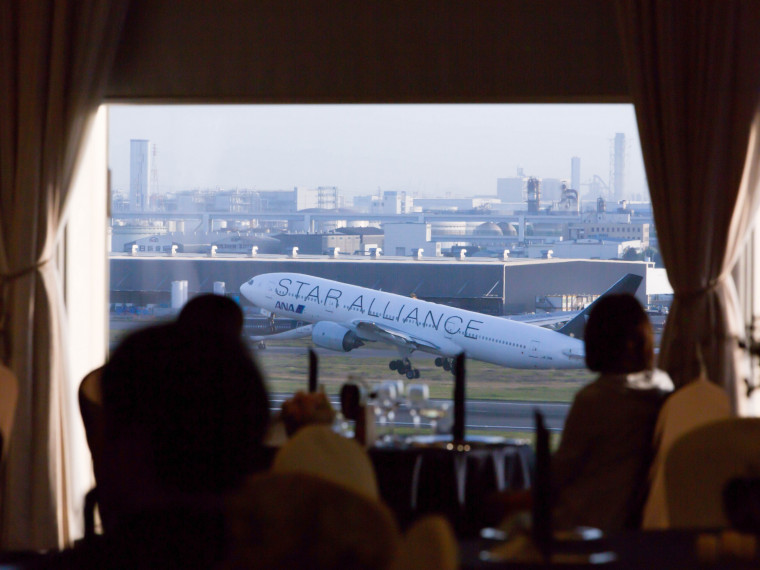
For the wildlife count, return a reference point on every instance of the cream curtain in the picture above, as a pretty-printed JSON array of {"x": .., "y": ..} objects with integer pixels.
[
  {"x": 54, "y": 59},
  {"x": 694, "y": 70}
]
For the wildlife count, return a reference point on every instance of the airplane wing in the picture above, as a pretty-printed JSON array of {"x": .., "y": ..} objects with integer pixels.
[{"x": 375, "y": 331}]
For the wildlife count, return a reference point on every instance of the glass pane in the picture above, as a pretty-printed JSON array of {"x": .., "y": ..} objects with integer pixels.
[{"x": 502, "y": 215}]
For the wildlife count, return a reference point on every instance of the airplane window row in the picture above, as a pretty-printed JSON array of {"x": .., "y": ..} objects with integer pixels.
[{"x": 505, "y": 342}]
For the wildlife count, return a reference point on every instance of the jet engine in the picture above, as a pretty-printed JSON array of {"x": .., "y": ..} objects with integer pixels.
[{"x": 334, "y": 336}]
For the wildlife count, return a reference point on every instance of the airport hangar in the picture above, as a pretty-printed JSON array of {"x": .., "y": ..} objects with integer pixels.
[{"x": 487, "y": 285}]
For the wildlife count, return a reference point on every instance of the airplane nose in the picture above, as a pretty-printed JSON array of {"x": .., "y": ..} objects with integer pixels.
[{"x": 246, "y": 287}]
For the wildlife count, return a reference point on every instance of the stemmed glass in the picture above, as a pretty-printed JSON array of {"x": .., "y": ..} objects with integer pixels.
[
  {"x": 416, "y": 397},
  {"x": 414, "y": 413},
  {"x": 385, "y": 403},
  {"x": 434, "y": 411}
]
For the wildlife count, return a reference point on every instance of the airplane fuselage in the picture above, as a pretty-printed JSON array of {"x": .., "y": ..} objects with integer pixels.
[{"x": 440, "y": 329}]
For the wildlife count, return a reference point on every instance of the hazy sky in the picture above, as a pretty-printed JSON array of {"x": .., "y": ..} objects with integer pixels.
[{"x": 430, "y": 150}]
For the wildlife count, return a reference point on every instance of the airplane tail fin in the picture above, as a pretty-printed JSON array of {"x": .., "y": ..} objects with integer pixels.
[{"x": 627, "y": 284}]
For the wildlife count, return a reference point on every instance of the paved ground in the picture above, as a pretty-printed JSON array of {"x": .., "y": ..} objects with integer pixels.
[{"x": 485, "y": 414}]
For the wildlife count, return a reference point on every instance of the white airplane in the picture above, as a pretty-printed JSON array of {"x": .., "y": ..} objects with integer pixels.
[{"x": 345, "y": 317}]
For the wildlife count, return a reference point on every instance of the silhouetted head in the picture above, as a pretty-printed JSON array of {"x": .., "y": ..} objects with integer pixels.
[
  {"x": 214, "y": 313},
  {"x": 618, "y": 336},
  {"x": 195, "y": 401}
]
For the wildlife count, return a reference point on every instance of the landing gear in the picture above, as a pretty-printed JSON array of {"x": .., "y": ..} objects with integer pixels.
[
  {"x": 446, "y": 363},
  {"x": 404, "y": 367}
]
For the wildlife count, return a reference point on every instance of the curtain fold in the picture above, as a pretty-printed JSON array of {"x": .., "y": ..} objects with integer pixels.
[
  {"x": 694, "y": 71},
  {"x": 54, "y": 60}
]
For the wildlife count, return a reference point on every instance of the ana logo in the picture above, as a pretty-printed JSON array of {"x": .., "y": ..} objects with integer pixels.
[{"x": 289, "y": 307}]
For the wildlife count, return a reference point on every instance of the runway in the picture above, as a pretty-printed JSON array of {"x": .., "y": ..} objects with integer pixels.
[{"x": 491, "y": 415}]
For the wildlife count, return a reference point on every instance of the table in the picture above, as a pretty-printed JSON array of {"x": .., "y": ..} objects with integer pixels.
[
  {"x": 436, "y": 475},
  {"x": 674, "y": 549}
]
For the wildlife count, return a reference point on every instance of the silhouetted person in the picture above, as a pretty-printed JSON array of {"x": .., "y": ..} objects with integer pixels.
[
  {"x": 186, "y": 409},
  {"x": 214, "y": 314},
  {"x": 599, "y": 472}
]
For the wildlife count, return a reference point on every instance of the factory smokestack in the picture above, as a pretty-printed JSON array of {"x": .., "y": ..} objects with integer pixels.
[{"x": 575, "y": 173}]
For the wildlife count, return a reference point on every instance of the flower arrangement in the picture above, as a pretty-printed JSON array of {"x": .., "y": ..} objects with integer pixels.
[{"x": 306, "y": 408}]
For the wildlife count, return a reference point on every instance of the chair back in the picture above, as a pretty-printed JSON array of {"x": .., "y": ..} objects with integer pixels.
[
  {"x": 298, "y": 520},
  {"x": 90, "y": 397},
  {"x": 91, "y": 408},
  {"x": 428, "y": 543},
  {"x": 700, "y": 464},
  {"x": 8, "y": 401},
  {"x": 319, "y": 451},
  {"x": 695, "y": 404},
  {"x": 276, "y": 521}
]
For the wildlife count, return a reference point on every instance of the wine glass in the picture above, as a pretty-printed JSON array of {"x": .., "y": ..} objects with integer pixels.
[
  {"x": 385, "y": 402},
  {"x": 434, "y": 411},
  {"x": 394, "y": 403},
  {"x": 416, "y": 396}
]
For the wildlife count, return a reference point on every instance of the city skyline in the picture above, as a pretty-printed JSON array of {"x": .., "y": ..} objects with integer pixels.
[{"x": 427, "y": 150}]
